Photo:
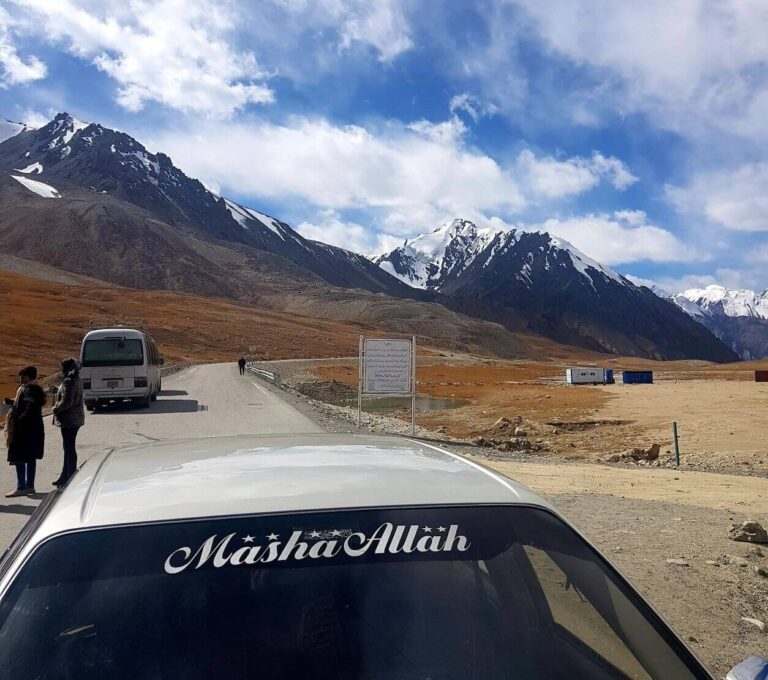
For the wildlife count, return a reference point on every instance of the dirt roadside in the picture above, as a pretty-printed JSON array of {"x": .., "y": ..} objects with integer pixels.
[{"x": 639, "y": 517}]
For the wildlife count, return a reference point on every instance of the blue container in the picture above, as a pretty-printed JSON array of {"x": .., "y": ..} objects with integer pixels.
[
  {"x": 637, "y": 377},
  {"x": 609, "y": 376}
]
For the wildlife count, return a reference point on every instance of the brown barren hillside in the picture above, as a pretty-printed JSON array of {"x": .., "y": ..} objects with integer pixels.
[
  {"x": 41, "y": 321},
  {"x": 44, "y": 313}
]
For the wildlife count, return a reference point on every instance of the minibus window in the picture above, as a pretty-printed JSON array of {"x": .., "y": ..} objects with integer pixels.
[{"x": 113, "y": 352}]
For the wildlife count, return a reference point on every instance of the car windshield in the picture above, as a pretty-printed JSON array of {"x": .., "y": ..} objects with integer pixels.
[
  {"x": 113, "y": 352},
  {"x": 447, "y": 593}
]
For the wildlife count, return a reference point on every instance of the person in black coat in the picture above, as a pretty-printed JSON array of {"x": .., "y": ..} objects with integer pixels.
[
  {"x": 26, "y": 433},
  {"x": 241, "y": 362}
]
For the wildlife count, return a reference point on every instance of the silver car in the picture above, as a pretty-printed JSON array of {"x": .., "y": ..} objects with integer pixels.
[{"x": 316, "y": 557}]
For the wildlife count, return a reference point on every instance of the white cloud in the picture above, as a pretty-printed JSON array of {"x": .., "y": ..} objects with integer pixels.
[
  {"x": 34, "y": 118},
  {"x": 447, "y": 132},
  {"x": 694, "y": 65},
  {"x": 176, "y": 52},
  {"x": 749, "y": 279},
  {"x": 641, "y": 281},
  {"x": 613, "y": 170},
  {"x": 329, "y": 227},
  {"x": 396, "y": 168},
  {"x": 736, "y": 199},
  {"x": 303, "y": 37},
  {"x": 614, "y": 241},
  {"x": 380, "y": 24},
  {"x": 471, "y": 105},
  {"x": 633, "y": 217},
  {"x": 410, "y": 177},
  {"x": 554, "y": 178},
  {"x": 16, "y": 70}
]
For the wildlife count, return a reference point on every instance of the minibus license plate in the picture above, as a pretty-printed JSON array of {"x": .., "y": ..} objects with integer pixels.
[{"x": 112, "y": 384}]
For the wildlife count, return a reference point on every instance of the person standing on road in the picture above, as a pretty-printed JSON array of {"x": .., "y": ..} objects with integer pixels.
[
  {"x": 69, "y": 415},
  {"x": 26, "y": 432},
  {"x": 241, "y": 364}
]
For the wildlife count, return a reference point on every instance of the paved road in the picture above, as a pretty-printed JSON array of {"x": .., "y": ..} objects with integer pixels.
[{"x": 201, "y": 401}]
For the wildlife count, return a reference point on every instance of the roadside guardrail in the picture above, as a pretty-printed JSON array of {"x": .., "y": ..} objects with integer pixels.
[{"x": 270, "y": 376}]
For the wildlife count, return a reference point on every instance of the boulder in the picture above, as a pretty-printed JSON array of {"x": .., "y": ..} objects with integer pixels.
[
  {"x": 502, "y": 424},
  {"x": 748, "y": 532},
  {"x": 651, "y": 453},
  {"x": 520, "y": 432}
]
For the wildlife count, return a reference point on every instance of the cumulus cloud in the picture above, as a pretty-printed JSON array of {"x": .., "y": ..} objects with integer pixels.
[
  {"x": 554, "y": 178},
  {"x": 642, "y": 281},
  {"x": 14, "y": 69},
  {"x": 342, "y": 167},
  {"x": 329, "y": 226},
  {"x": 633, "y": 217},
  {"x": 736, "y": 199},
  {"x": 176, "y": 52},
  {"x": 658, "y": 57},
  {"x": 613, "y": 241},
  {"x": 409, "y": 177}
]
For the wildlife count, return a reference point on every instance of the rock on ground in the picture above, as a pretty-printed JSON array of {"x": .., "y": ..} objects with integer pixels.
[{"x": 748, "y": 532}]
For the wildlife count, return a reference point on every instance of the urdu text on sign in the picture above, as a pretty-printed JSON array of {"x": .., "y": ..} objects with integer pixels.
[{"x": 387, "y": 366}]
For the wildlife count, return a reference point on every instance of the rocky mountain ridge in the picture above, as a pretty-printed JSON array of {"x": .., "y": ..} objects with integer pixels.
[{"x": 87, "y": 199}]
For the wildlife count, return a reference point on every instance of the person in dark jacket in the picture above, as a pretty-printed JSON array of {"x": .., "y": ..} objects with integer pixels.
[
  {"x": 69, "y": 415},
  {"x": 241, "y": 365},
  {"x": 26, "y": 433}
]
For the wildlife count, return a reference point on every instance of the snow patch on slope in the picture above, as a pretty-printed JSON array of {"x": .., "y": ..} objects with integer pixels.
[
  {"x": 243, "y": 216},
  {"x": 238, "y": 213},
  {"x": 34, "y": 169},
  {"x": 10, "y": 129},
  {"x": 39, "y": 188},
  {"x": 269, "y": 222},
  {"x": 585, "y": 264}
]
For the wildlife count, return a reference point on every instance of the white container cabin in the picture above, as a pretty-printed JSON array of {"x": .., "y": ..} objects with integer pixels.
[{"x": 585, "y": 376}]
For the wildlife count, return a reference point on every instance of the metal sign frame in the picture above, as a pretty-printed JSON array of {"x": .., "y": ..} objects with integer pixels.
[{"x": 362, "y": 375}]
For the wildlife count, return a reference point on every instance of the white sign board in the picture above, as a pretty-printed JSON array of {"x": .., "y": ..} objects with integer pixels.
[{"x": 387, "y": 367}]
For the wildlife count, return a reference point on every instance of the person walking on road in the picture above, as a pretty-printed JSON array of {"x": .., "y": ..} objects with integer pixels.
[
  {"x": 25, "y": 432},
  {"x": 241, "y": 364},
  {"x": 69, "y": 415}
]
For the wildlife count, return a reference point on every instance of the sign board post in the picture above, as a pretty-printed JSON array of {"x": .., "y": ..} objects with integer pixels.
[{"x": 387, "y": 367}]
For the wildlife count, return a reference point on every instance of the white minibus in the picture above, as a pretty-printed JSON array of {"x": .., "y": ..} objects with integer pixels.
[{"x": 119, "y": 364}]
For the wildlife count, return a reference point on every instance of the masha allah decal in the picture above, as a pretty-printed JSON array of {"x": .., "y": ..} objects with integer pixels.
[{"x": 388, "y": 538}]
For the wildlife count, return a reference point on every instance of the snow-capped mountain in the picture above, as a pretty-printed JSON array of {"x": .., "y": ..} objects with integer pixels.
[
  {"x": 433, "y": 260},
  {"x": 91, "y": 200},
  {"x": 558, "y": 291},
  {"x": 68, "y": 156},
  {"x": 738, "y": 317},
  {"x": 718, "y": 300},
  {"x": 427, "y": 260}
]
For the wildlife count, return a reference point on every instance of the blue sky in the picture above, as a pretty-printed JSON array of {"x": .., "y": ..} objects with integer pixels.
[{"x": 634, "y": 130}]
